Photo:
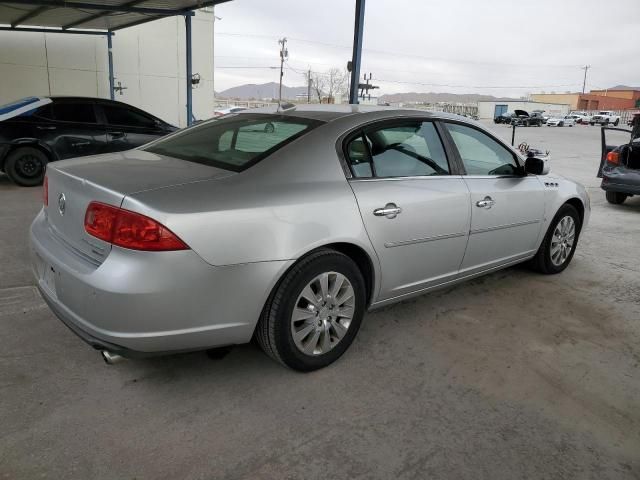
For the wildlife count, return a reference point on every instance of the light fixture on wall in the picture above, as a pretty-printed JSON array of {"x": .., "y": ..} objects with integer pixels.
[{"x": 195, "y": 80}]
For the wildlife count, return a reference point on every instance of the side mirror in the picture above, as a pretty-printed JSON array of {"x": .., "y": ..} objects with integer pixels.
[{"x": 536, "y": 166}]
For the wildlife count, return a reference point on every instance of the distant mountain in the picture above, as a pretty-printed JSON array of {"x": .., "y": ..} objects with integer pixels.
[
  {"x": 433, "y": 97},
  {"x": 261, "y": 91},
  {"x": 623, "y": 87}
]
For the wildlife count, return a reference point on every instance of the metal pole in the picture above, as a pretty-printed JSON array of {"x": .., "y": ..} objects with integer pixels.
[
  {"x": 112, "y": 93},
  {"x": 309, "y": 86},
  {"x": 584, "y": 82},
  {"x": 187, "y": 23},
  {"x": 358, "y": 30},
  {"x": 513, "y": 134}
]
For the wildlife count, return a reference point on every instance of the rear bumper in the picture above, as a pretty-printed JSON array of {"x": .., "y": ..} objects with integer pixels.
[
  {"x": 147, "y": 303},
  {"x": 621, "y": 179}
]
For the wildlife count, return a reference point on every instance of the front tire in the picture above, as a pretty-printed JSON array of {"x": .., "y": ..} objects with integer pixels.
[
  {"x": 315, "y": 312},
  {"x": 25, "y": 166},
  {"x": 559, "y": 244},
  {"x": 615, "y": 198}
]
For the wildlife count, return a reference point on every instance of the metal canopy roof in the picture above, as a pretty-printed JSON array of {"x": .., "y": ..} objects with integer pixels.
[{"x": 103, "y": 15}]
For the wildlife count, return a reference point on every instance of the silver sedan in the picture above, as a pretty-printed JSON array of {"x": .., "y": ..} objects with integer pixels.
[{"x": 287, "y": 226}]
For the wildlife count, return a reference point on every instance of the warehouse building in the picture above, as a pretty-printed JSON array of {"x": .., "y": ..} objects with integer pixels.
[
  {"x": 616, "y": 98},
  {"x": 149, "y": 66},
  {"x": 488, "y": 110}
]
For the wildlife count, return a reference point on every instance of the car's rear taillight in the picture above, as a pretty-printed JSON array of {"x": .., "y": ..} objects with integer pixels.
[
  {"x": 45, "y": 191},
  {"x": 613, "y": 158},
  {"x": 128, "y": 229}
]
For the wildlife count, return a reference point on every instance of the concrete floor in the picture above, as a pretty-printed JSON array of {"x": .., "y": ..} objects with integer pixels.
[{"x": 514, "y": 375}]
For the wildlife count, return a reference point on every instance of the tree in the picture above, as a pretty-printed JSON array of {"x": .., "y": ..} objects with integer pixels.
[{"x": 328, "y": 84}]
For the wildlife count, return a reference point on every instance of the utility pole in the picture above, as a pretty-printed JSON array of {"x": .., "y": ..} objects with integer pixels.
[
  {"x": 284, "y": 54},
  {"x": 309, "y": 86},
  {"x": 584, "y": 82}
]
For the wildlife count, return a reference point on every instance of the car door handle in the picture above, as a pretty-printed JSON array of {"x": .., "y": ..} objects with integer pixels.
[
  {"x": 116, "y": 134},
  {"x": 390, "y": 210},
  {"x": 487, "y": 203},
  {"x": 41, "y": 127}
]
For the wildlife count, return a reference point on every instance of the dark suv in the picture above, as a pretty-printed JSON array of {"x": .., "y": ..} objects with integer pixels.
[
  {"x": 620, "y": 165},
  {"x": 39, "y": 130}
]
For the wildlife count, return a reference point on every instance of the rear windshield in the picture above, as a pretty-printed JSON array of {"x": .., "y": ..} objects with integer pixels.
[{"x": 234, "y": 142}]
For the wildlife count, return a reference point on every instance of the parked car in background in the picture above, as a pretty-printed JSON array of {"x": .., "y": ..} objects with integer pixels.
[
  {"x": 224, "y": 111},
  {"x": 561, "y": 121},
  {"x": 522, "y": 118},
  {"x": 504, "y": 118},
  {"x": 229, "y": 230},
  {"x": 605, "y": 117},
  {"x": 581, "y": 117},
  {"x": 38, "y": 130},
  {"x": 620, "y": 165},
  {"x": 543, "y": 115}
]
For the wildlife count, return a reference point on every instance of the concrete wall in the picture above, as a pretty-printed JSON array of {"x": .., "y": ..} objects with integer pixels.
[
  {"x": 149, "y": 60},
  {"x": 486, "y": 110}
]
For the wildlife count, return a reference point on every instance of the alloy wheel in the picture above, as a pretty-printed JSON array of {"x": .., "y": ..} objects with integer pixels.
[
  {"x": 562, "y": 240},
  {"x": 322, "y": 313},
  {"x": 29, "y": 166}
]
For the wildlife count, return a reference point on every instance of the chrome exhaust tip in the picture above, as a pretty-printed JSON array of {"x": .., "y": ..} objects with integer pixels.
[{"x": 111, "y": 358}]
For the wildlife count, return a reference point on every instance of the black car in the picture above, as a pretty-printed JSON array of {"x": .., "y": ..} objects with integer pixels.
[
  {"x": 620, "y": 165},
  {"x": 522, "y": 118},
  {"x": 38, "y": 130},
  {"x": 504, "y": 118}
]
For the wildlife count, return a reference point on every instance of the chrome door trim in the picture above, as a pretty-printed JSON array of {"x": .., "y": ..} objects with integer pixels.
[
  {"x": 423, "y": 240},
  {"x": 397, "y": 179},
  {"x": 500, "y": 227}
]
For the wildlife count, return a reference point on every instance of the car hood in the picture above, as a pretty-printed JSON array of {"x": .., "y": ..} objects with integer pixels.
[{"x": 134, "y": 171}]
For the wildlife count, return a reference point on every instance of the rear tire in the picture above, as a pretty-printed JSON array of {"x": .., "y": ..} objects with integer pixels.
[
  {"x": 287, "y": 311},
  {"x": 616, "y": 198},
  {"x": 25, "y": 166},
  {"x": 545, "y": 260}
]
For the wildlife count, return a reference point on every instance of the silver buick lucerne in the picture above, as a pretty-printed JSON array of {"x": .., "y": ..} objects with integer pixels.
[{"x": 287, "y": 226}]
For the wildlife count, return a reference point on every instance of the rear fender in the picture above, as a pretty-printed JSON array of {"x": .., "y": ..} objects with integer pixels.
[{"x": 27, "y": 142}]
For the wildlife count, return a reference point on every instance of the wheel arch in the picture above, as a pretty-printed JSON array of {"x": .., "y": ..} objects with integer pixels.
[
  {"x": 578, "y": 205},
  {"x": 355, "y": 252},
  {"x": 27, "y": 142}
]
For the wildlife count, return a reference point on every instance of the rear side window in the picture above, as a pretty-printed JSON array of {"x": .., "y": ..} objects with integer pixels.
[
  {"x": 123, "y": 116},
  {"x": 234, "y": 143},
  {"x": 74, "y": 112}
]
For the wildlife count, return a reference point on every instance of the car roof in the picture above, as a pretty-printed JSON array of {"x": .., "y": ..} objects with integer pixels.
[{"x": 328, "y": 113}]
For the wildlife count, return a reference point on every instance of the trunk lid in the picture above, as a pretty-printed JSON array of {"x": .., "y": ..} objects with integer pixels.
[{"x": 73, "y": 184}]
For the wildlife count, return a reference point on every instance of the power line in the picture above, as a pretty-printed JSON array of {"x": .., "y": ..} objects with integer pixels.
[{"x": 398, "y": 54}]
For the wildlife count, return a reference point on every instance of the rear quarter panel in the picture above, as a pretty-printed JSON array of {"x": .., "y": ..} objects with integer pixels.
[{"x": 290, "y": 203}]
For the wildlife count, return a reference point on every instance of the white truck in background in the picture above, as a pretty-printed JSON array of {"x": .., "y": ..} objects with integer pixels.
[{"x": 605, "y": 117}]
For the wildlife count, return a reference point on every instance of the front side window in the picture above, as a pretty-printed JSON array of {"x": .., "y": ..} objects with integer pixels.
[
  {"x": 481, "y": 154},
  {"x": 123, "y": 116},
  {"x": 74, "y": 112},
  {"x": 406, "y": 150},
  {"x": 235, "y": 142}
]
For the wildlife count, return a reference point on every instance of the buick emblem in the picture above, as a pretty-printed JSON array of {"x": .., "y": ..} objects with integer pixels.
[{"x": 62, "y": 200}]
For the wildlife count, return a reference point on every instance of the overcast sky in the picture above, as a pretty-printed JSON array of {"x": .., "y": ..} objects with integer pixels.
[{"x": 499, "y": 47}]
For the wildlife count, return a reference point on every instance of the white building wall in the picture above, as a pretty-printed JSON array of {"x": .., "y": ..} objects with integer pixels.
[
  {"x": 486, "y": 110},
  {"x": 149, "y": 60}
]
